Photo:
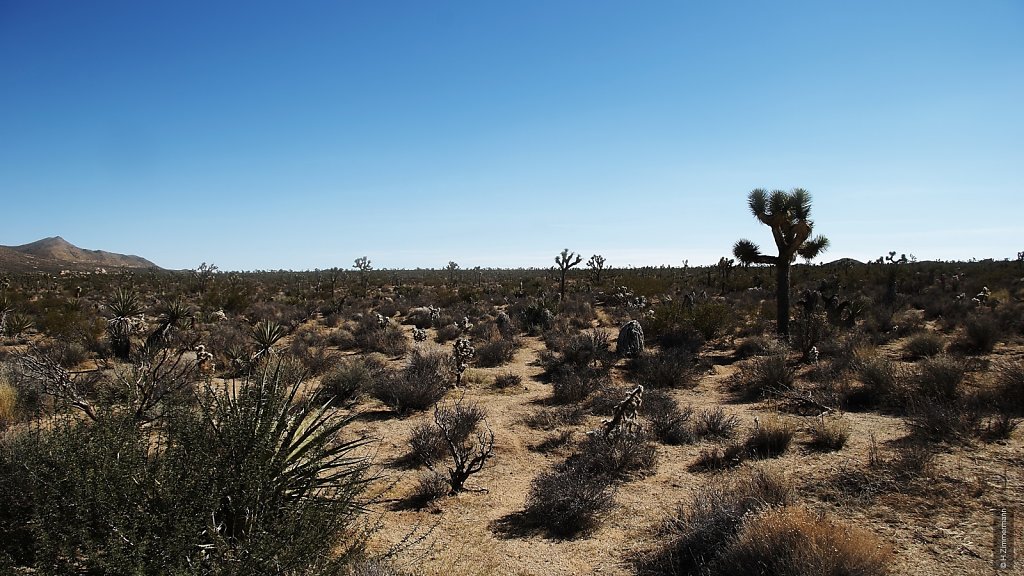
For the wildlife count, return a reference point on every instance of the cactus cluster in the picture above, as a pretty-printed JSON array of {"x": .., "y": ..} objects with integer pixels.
[{"x": 462, "y": 353}]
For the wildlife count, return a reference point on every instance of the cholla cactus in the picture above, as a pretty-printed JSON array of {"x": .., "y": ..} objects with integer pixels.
[
  {"x": 812, "y": 355},
  {"x": 465, "y": 325},
  {"x": 203, "y": 357},
  {"x": 419, "y": 334},
  {"x": 631, "y": 339},
  {"x": 382, "y": 320},
  {"x": 463, "y": 352},
  {"x": 624, "y": 415}
]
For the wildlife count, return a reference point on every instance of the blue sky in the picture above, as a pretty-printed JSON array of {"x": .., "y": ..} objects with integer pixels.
[{"x": 266, "y": 135}]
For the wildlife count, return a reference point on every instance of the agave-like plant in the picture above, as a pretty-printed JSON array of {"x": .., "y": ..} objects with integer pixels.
[
  {"x": 126, "y": 309},
  {"x": 291, "y": 451},
  {"x": 267, "y": 333},
  {"x": 788, "y": 215},
  {"x": 172, "y": 314}
]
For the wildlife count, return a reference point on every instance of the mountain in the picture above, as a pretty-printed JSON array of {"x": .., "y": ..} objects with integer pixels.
[{"x": 55, "y": 254}]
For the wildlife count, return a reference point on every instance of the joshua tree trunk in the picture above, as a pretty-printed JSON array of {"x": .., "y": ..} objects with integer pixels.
[{"x": 782, "y": 298}]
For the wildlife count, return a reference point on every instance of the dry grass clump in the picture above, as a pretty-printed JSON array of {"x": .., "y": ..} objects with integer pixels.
[
  {"x": 8, "y": 403},
  {"x": 702, "y": 531},
  {"x": 344, "y": 383},
  {"x": 764, "y": 376},
  {"x": 715, "y": 423},
  {"x": 1008, "y": 387},
  {"x": 771, "y": 437},
  {"x": 555, "y": 417},
  {"x": 793, "y": 541},
  {"x": 423, "y": 382},
  {"x": 570, "y": 385},
  {"x": 923, "y": 345},
  {"x": 829, "y": 434},
  {"x": 429, "y": 487},
  {"x": 567, "y": 503},
  {"x": 670, "y": 424},
  {"x": 669, "y": 368},
  {"x": 508, "y": 380}
]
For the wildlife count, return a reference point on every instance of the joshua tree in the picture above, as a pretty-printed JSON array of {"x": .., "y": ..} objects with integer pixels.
[
  {"x": 203, "y": 275},
  {"x": 596, "y": 265},
  {"x": 788, "y": 214},
  {"x": 451, "y": 268},
  {"x": 364, "y": 266},
  {"x": 565, "y": 261}
]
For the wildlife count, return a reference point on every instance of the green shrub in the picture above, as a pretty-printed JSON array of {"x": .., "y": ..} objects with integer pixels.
[{"x": 249, "y": 480}]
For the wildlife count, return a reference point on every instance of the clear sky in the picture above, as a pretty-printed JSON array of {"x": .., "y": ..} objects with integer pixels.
[{"x": 301, "y": 135}]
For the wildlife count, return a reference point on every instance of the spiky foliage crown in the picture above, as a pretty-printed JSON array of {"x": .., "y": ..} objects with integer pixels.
[{"x": 788, "y": 214}]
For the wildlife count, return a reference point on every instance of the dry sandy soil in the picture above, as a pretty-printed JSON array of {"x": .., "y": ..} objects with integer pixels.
[{"x": 939, "y": 524}]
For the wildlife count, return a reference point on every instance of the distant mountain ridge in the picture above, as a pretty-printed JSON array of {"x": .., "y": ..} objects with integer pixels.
[{"x": 55, "y": 253}]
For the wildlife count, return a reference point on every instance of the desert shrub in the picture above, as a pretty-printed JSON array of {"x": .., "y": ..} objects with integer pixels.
[
  {"x": 389, "y": 339},
  {"x": 568, "y": 503},
  {"x": 829, "y": 435},
  {"x": 670, "y": 368},
  {"x": 557, "y": 416},
  {"x": 1008, "y": 387},
  {"x": 883, "y": 382},
  {"x": 447, "y": 333},
  {"x": 618, "y": 456},
  {"x": 999, "y": 427},
  {"x": 309, "y": 347},
  {"x": 700, "y": 532},
  {"x": 943, "y": 419},
  {"x": 682, "y": 336},
  {"x": 8, "y": 402},
  {"x": 426, "y": 446},
  {"x": 715, "y": 423},
  {"x": 923, "y": 345},
  {"x": 761, "y": 345},
  {"x": 670, "y": 424},
  {"x": 717, "y": 458},
  {"x": 771, "y": 437},
  {"x": 533, "y": 316},
  {"x": 591, "y": 348},
  {"x": 796, "y": 542},
  {"x": 570, "y": 385},
  {"x": 554, "y": 442},
  {"x": 508, "y": 380},
  {"x": 495, "y": 352},
  {"x": 981, "y": 333},
  {"x": 270, "y": 472},
  {"x": 764, "y": 376},
  {"x": 418, "y": 386},
  {"x": 939, "y": 378},
  {"x": 349, "y": 379},
  {"x": 427, "y": 442},
  {"x": 430, "y": 486},
  {"x": 342, "y": 338},
  {"x": 711, "y": 318}
]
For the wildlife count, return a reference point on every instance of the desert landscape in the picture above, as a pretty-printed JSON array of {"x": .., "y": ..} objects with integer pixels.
[
  {"x": 580, "y": 419},
  {"x": 532, "y": 288}
]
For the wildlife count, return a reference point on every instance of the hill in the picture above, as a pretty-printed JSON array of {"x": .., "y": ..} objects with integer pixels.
[{"x": 56, "y": 254}]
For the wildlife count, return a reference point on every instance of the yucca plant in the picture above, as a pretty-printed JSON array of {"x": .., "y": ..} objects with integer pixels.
[
  {"x": 172, "y": 314},
  {"x": 126, "y": 309},
  {"x": 788, "y": 214},
  {"x": 267, "y": 333}
]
